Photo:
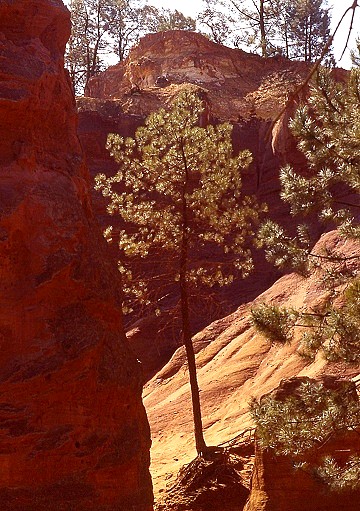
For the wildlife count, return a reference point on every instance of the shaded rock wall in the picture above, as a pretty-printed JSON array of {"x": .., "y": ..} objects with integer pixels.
[{"x": 73, "y": 431}]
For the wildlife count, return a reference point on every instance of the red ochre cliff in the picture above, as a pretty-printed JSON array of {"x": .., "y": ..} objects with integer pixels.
[
  {"x": 235, "y": 364},
  {"x": 73, "y": 430}
]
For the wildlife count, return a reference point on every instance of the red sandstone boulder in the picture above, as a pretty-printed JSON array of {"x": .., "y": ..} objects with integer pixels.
[
  {"x": 73, "y": 431},
  {"x": 240, "y": 84}
]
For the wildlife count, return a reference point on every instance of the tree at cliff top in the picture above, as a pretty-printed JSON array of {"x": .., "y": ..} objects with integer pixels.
[
  {"x": 84, "y": 56},
  {"x": 297, "y": 29},
  {"x": 250, "y": 23},
  {"x": 130, "y": 21},
  {"x": 103, "y": 29},
  {"x": 355, "y": 54},
  {"x": 302, "y": 29},
  {"x": 133, "y": 20},
  {"x": 178, "y": 192},
  {"x": 218, "y": 25},
  {"x": 328, "y": 129},
  {"x": 307, "y": 23},
  {"x": 166, "y": 19}
]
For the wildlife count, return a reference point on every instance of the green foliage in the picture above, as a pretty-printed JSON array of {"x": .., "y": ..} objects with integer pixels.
[
  {"x": 339, "y": 478},
  {"x": 337, "y": 331},
  {"x": 308, "y": 28},
  {"x": 297, "y": 29},
  {"x": 328, "y": 130},
  {"x": 355, "y": 54},
  {"x": 250, "y": 24},
  {"x": 166, "y": 19},
  {"x": 282, "y": 250},
  {"x": 275, "y": 322},
  {"x": 178, "y": 193},
  {"x": 216, "y": 24},
  {"x": 332, "y": 330},
  {"x": 306, "y": 418},
  {"x": 83, "y": 51},
  {"x": 175, "y": 176},
  {"x": 299, "y": 421},
  {"x": 130, "y": 21}
]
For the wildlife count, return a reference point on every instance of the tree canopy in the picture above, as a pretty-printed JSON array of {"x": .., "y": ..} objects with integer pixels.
[
  {"x": 327, "y": 128},
  {"x": 105, "y": 29},
  {"x": 297, "y": 29},
  {"x": 178, "y": 193}
]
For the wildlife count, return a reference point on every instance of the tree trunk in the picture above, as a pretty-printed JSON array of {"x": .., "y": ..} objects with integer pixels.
[
  {"x": 286, "y": 41},
  {"x": 262, "y": 30},
  {"x": 185, "y": 321},
  {"x": 190, "y": 355}
]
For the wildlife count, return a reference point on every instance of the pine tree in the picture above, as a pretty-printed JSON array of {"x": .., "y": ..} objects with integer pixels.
[
  {"x": 309, "y": 28},
  {"x": 178, "y": 192},
  {"x": 84, "y": 56},
  {"x": 355, "y": 54},
  {"x": 216, "y": 24},
  {"x": 129, "y": 21},
  {"x": 328, "y": 130},
  {"x": 296, "y": 29},
  {"x": 166, "y": 19},
  {"x": 251, "y": 23},
  {"x": 298, "y": 423}
]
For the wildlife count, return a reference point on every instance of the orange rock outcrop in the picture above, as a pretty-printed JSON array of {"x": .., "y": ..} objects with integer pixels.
[
  {"x": 73, "y": 430},
  {"x": 235, "y": 363}
]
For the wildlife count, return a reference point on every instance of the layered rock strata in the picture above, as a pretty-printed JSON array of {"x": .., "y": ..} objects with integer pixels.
[{"x": 73, "y": 430}]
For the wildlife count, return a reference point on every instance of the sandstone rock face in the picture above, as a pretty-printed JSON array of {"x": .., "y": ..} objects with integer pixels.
[
  {"x": 278, "y": 486},
  {"x": 241, "y": 84},
  {"x": 73, "y": 431},
  {"x": 235, "y": 363}
]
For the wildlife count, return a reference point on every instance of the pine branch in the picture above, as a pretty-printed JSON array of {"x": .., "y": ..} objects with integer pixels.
[{"x": 314, "y": 68}]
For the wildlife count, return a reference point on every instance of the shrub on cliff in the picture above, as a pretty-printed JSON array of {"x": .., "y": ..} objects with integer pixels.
[
  {"x": 327, "y": 128},
  {"x": 302, "y": 416}
]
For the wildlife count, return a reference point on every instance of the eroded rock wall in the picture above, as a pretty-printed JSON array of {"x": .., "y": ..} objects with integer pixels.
[
  {"x": 235, "y": 364},
  {"x": 73, "y": 431}
]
